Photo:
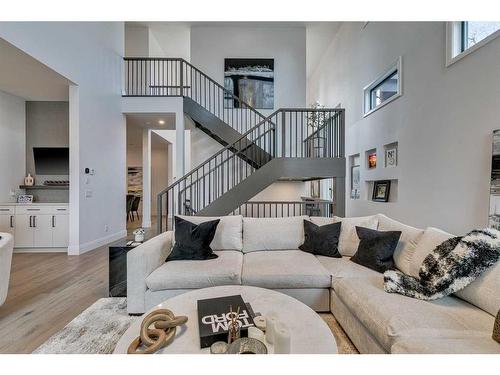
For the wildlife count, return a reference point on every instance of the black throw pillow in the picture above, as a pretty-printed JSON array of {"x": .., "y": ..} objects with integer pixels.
[
  {"x": 321, "y": 240},
  {"x": 376, "y": 248},
  {"x": 192, "y": 242}
]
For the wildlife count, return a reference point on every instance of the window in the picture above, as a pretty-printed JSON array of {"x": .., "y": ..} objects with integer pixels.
[
  {"x": 467, "y": 36},
  {"x": 384, "y": 89}
]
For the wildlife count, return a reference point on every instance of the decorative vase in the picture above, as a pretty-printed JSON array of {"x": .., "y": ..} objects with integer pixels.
[{"x": 29, "y": 180}]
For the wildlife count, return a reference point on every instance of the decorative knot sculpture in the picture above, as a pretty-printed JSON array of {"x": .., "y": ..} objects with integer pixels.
[{"x": 165, "y": 324}]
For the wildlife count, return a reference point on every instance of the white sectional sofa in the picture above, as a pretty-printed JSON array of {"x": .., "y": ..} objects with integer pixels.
[
  {"x": 264, "y": 252},
  {"x": 6, "y": 247}
]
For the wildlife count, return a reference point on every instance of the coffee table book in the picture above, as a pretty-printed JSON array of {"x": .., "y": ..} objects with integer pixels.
[{"x": 214, "y": 318}]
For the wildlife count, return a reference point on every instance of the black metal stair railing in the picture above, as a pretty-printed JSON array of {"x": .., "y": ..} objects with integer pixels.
[
  {"x": 287, "y": 133},
  {"x": 167, "y": 77},
  {"x": 286, "y": 208}
]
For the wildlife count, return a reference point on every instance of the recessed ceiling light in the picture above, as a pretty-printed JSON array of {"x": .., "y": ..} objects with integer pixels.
[{"x": 161, "y": 122}]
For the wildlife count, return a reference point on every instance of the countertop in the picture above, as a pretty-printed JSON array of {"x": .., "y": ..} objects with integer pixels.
[{"x": 34, "y": 204}]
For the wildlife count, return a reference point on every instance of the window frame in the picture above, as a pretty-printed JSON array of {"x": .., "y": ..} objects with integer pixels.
[
  {"x": 455, "y": 42},
  {"x": 397, "y": 66}
]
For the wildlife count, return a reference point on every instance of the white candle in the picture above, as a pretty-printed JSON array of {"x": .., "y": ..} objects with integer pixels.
[
  {"x": 281, "y": 339},
  {"x": 260, "y": 322},
  {"x": 255, "y": 333},
  {"x": 271, "y": 321}
]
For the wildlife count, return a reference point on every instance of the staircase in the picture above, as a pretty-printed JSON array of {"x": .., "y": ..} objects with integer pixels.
[{"x": 290, "y": 144}]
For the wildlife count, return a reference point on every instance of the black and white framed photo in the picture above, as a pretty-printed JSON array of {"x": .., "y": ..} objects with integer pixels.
[
  {"x": 381, "y": 190},
  {"x": 25, "y": 198},
  {"x": 391, "y": 157},
  {"x": 251, "y": 80}
]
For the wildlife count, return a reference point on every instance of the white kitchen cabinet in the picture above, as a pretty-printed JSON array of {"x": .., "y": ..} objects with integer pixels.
[
  {"x": 7, "y": 220},
  {"x": 60, "y": 230},
  {"x": 23, "y": 231},
  {"x": 36, "y": 226},
  {"x": 43, "y": 231}
]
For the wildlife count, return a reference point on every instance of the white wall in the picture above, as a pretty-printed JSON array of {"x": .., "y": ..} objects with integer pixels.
[
  {"x": 12, "y": 144},
  {"x": 90, "y": 55},
  {"x": 136, "y": 40},
  {"x": 443, "y": 122},
  {"x": 170, "y": 40},
  {"x": 287, "y": 45},
  {"x": 159, "y": 168}
]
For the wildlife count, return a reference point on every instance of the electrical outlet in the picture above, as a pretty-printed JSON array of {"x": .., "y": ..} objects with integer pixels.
[
  {"x": 106, "y": 228},
  {"x": 88, "y": 193}
]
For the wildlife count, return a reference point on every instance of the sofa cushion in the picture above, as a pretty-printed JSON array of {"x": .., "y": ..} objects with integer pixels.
[
  {"x": 376, "y": 248},
  {"x": 321, "y": 239},
  {"x": 340, "y": 268},
  {"x": 229, "y": 233},
  {"x": 407, "y": 242},
  {"x": 484, "y": 292},
  {"x": 431, "y": 238},
  {"x": 193, "y": 241},
  {"x": 192, "y": 274},
  {"x": 389, "y": 317},
  {"x": 321, "y": 220},
  {"x": 466, "y": 345},
  {"x": 349, "y": 240},
  {"x": 280, "y": 233},
  {"x": 284, "y": 269}
]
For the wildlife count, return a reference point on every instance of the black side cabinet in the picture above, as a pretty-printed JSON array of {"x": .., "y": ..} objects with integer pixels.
[{"x": 118, "y": 268}]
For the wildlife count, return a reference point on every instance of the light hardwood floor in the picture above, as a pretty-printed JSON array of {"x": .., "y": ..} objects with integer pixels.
[{"x": 47, "y": 291}]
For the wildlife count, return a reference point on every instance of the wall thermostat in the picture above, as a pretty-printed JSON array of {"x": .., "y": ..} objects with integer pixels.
[{"x": 90, "y": 171}]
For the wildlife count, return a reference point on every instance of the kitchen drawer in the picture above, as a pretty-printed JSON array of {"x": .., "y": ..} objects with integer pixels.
[
  {"x": 42, "y": 210},
  {"x": 6, "y": 210}
]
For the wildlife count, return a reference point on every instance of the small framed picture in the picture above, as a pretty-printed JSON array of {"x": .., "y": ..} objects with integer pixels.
[
  {"x": 381, "y": 191},
  {"x": 391, "y": 157},
  {"x": 372, "y": 160},
  {"x": 23, "y": 198}
]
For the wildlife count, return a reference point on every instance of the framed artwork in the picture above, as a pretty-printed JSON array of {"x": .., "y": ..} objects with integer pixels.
[
  {"x": 134, "y": 177},
  {"x": 381, "y": 190},
  {"x": 355, "y": 182},
  {"x": 372, "y": 160},
  {"x": 391, "y": 157},
  {"x": 25, "y": 198},
  {"x": 494, "y": 214},
  {"x": 251, "y": 80}
]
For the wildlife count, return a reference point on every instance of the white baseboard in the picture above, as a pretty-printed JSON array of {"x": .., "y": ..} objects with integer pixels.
[
  {"x": 40, "y": 250},
  {"x": 91, "y": 245}
]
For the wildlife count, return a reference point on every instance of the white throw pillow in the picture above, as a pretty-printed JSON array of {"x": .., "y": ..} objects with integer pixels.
[
  {"x": 281, "y": 233},
  {"x": 229, "y": 233},
  {"x": 349, "y": 240},
  {"x": 431, "y": 238},
  {"x": 407, "y": 242}
]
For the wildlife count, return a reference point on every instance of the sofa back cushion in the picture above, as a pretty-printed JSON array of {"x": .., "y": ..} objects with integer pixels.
[
  {"x": 431, "y": 238},
  {"x": 280, "y": 233},
  {"x": 228, "y": 235},
  {"x": 349, "y": 240},
  {"x": 484, "y": 292},
  {"x": 407, "y": 242}
]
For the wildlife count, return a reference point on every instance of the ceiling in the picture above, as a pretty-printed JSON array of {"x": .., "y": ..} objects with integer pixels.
[
  {"x": 136, "y": 122},
  {"x": 28, "y": 78}
]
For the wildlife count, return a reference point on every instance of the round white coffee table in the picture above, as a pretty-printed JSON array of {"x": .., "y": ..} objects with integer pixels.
[{"x": 309, "y": 333}]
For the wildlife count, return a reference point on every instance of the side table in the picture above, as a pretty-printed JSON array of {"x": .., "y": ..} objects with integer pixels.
[{"x": 118, "y": 267}]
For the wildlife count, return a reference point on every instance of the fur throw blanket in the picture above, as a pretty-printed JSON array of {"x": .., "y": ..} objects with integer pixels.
[{"x": 450, "y": 267}]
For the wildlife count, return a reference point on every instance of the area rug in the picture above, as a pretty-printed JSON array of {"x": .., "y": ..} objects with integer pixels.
[
  {"x": 94, "y": 331},
  {"x": 99, "y": 327}
]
